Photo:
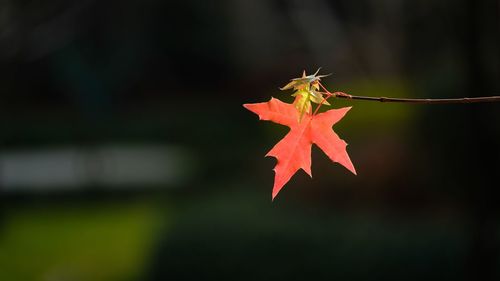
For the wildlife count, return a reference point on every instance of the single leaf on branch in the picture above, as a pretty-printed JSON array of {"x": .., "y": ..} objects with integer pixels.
[{"x": 293, "y": 152}]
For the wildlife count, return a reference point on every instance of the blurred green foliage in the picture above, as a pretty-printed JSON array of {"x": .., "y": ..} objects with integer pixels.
[{"x": 96, "y": 241}]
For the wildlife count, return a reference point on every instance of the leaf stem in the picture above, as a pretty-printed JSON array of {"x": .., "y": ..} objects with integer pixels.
[{"x": 329, "y": 95}]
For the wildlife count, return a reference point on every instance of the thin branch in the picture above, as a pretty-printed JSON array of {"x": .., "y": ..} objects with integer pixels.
[
  {"x": 415, "y": 101},
  {"x": 419, "y": 101}
]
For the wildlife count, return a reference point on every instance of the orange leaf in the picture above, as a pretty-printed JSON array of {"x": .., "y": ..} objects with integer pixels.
[{"x": 293, "y": 152}]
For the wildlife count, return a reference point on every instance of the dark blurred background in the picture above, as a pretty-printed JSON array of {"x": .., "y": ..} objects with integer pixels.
[{"x": 126, "y": 154}]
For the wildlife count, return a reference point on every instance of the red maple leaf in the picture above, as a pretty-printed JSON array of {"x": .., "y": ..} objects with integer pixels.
[{"x": 293, "y": 152}]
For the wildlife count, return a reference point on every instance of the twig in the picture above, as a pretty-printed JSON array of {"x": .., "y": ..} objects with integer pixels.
[
  {"x": 421, "y": 101},
  {"x": 402, "y": 100}
]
